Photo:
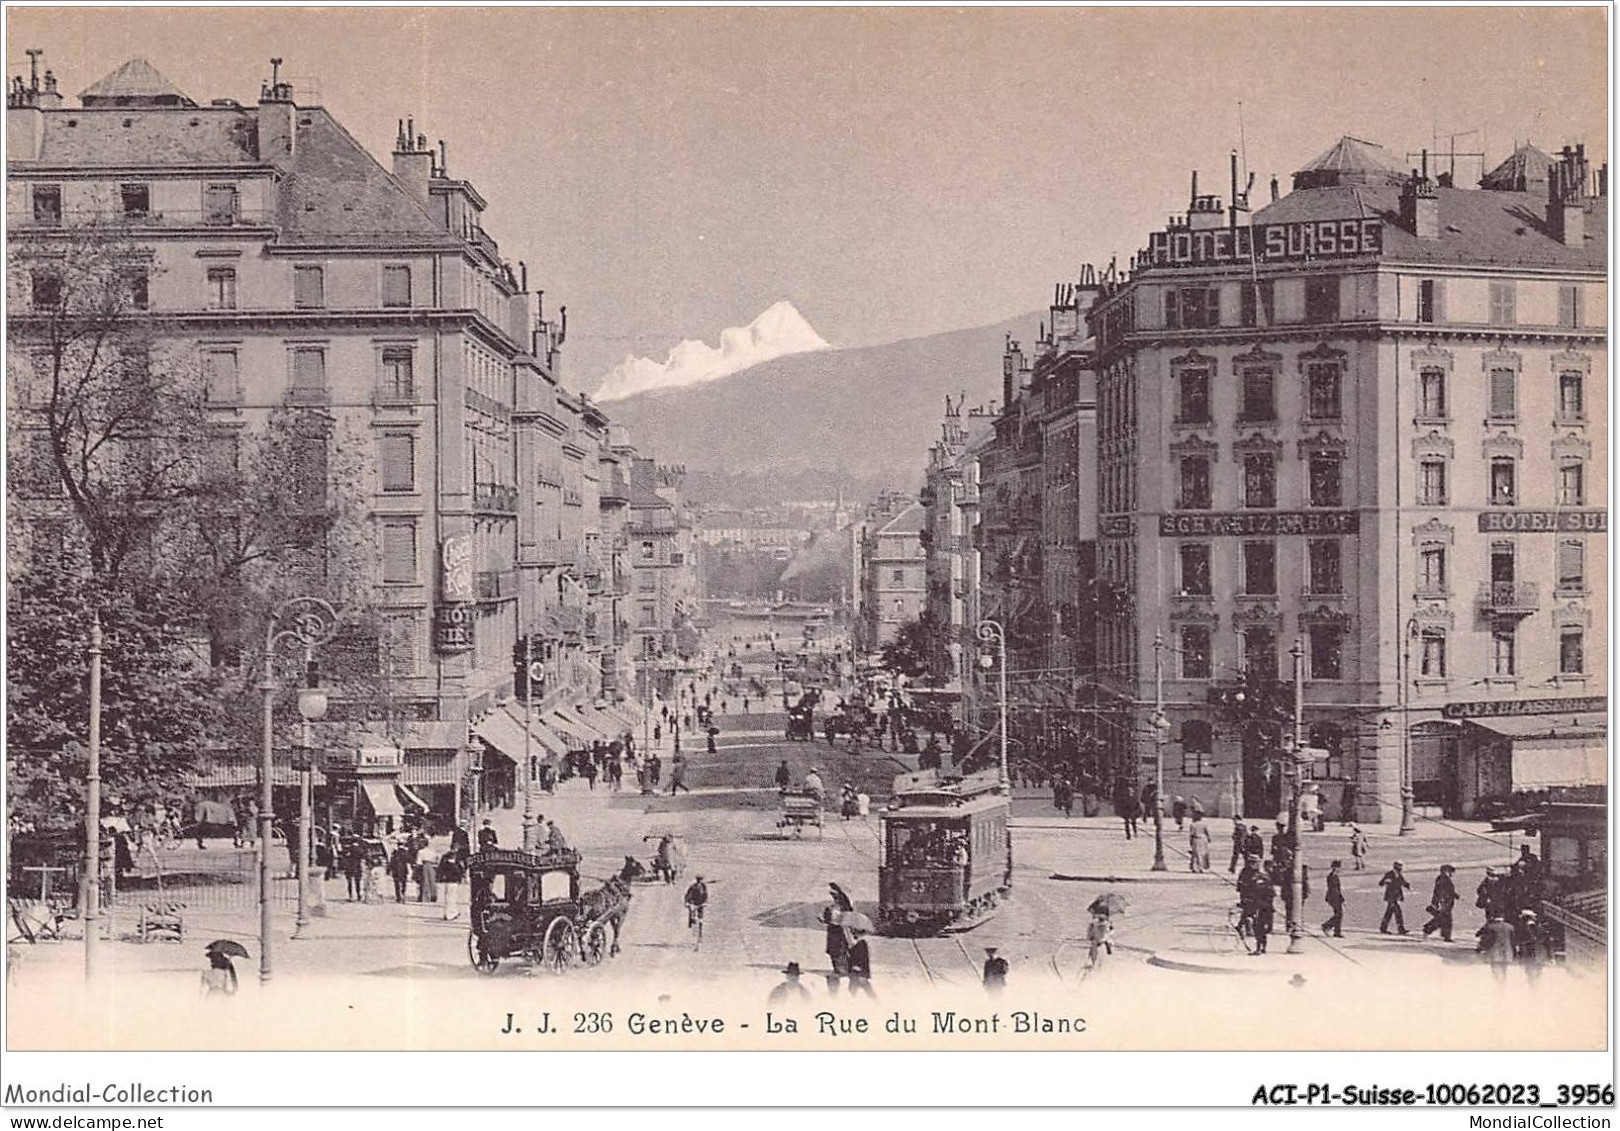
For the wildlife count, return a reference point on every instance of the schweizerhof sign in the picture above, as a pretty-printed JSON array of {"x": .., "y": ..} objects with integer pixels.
[{"x": 1267, "y": 243}]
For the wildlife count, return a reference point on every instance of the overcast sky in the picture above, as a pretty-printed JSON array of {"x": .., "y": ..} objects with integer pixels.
[{"x": 892, "y": 173}]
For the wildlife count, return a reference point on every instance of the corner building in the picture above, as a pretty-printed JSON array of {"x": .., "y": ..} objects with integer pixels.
[{"x": 1371, "y": 417}]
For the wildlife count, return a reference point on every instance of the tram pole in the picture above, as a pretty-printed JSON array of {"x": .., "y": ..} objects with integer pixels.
[{"x": 1161, "y": 732}]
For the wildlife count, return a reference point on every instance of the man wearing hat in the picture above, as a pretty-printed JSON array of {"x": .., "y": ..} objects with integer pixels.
[
  {"x": 1441, "y": 901},
  {"x": 995, "y": 971},
  {"x": 791, "y": 988},
  {"x": 1395, "y": 885}
]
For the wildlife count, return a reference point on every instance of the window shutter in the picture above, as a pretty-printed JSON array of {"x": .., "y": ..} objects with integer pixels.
[
  {"x": 399, "y": 552},
  {"x": 399, "y": 463},
  {"x": 309, "y": 369}
]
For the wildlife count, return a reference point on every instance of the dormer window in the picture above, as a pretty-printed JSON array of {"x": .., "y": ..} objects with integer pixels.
[
  {"x": 220, "y": 204},
  {"x": 137, "y": 201}
]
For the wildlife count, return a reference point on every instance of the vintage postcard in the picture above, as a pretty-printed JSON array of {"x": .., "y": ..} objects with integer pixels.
[{"x": 809, "y": 529}]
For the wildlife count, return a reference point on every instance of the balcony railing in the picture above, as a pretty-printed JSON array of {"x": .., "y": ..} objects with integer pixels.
[
  {"x": 1509, "y": 598},
  {"x": 496, "y": 584},
  {"x": 495, "y": 497},
  {"x": 151, "y": 218}
]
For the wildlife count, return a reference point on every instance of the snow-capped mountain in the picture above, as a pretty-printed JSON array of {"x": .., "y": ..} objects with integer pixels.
[{"x": 779, "y": 331}]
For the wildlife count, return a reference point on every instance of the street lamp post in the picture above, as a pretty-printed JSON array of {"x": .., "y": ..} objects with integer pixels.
[
  {"x": 312, "y": 622},
  {"x": 1161, "y": 735},
  {"x": 1296, "y": 929},
  {"x": 531, "y": 836},
  {"x": 92, "y": 811},
  {"x": 312, "y": 706},
  {"x": 991, "y": 632},
  {"x": 1408, "y": 809}
]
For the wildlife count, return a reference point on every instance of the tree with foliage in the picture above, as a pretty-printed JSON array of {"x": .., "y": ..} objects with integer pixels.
[{"x": 918, "y": 651}]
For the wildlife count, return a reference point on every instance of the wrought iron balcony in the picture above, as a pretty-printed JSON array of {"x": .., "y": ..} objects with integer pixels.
[
  {"x": 495, "y": 497},
  {"x": 1509, "y": 598}
]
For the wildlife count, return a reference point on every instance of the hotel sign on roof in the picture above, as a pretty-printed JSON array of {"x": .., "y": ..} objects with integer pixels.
[{"x": 1267, "y": 243}]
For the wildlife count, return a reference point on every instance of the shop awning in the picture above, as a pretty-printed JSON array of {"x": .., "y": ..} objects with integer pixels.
[
  {"x": 578, "y": 735},
  {"x": 411, "y": 798},
  {"x": 545, "y": 741},
  {"x": 1547, "y": 726},
  {"x": 380, "y": 796},
  {"x": 1554, "y": 750},
  {"x": 599, "y": 730},
  {"x": 502, "y": 733}
]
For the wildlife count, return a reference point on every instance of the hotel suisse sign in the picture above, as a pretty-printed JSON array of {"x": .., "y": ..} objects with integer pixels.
[
  {"x": 1543, "y": 522},
  {"x": 1240, "y": 523},
  {"x": 1267, "y": 243},
  {"x": 1499, "y": 708}
]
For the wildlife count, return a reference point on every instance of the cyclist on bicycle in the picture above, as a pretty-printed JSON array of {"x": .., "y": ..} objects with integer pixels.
[{"x": 697, "y": 897}]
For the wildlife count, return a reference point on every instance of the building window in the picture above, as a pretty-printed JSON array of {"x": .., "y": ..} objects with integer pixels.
[
  {"x": 1322, "y": 381},
  {"x": 1326, "y": 573},
  {"x": 1192, "y": 308},
  {"x": 1504, "y": 663},
  {"x": 1260, "y": 569},
  {"x": 1432, "y": 653},
  {"x": 1326, "y": 480},
  {"x": 1258, "y": 306},
  {"x": 1571, "y": 396},
  {"x": 1430, "y": 296},
  {"x": 1197, "y": 748},
  {"x": 1571, "y": 565},
  {"x": 648, "y": 612},
  {"x": 222, "y": 288},
  {"x": 220, "y": 376},
  {"x": 1195, "y": 581},
  {"x": 1259, "y": 395},
  {"x": 899, "y": 575},
  {"x": 309, "y": 287},
  {"x": 41, "y": 474},
  {"x": 1432, "y": 393},
  {"x": 309, "y": 472},
  {"x": 137, "y": 201},
  {"x": 1260, "y": 480},
  {"x": 1326, "y": 645},
  {"x": 220, "y": 204},
  {"x": 1432, "y": 569},
  {"x": 1571, "y": 485},
  {"x": 1571, "y": 651},
  {"x": 140, "y": 290},
  {"x": 1192, "y": 389},
  {"x": 396, "y": 285},
  {"x": 46, "y": 287},
  {"x": 1194, "y": 650},
  {"x": 398, "y": 451},
  {"x": 398, "y": 375},
  {"x": 647, "y": 551},
  {"x": 224, "y": 456},
  {"x": 1322, "y": 300},
  {"x": 399, "y": 553},
  {"x": 1195, "y": 490},
  {"x": 1569, "y": 306},
  {"x": 1432, "y": 483},
  {"x": 48, "y": 204},
  {"x": 1504, "y": 394},
  {"x": 1504, "y": 304},
  {"x": 309, "y": 371},
  {"x": 1259, "y": 652},
  {"x": 1504, "y": 488},
  {"x": 1503, "y": 563}
]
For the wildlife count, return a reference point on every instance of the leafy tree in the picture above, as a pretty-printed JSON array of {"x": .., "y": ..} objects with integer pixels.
[{"x": 918, "y": 651}]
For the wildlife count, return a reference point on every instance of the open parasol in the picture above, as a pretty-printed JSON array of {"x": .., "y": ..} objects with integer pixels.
[{"x": 1111, "y": 903}]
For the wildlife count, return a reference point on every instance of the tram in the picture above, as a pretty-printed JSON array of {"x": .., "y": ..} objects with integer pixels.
[{"x": 945, "y": 858}]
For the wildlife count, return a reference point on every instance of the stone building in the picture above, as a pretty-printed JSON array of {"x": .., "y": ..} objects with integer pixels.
[
  {"x": 895, "y": 582},
  {"x": 1369, "y": 417}
]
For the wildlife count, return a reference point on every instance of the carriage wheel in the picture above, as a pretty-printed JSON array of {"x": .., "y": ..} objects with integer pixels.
[
  {"x": 482, "y": 961},
  {"x": 560, "y": 948},
  {"x": 595, "y": 947}
]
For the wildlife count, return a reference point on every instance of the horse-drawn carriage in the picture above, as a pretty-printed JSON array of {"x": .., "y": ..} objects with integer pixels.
[
  {"x": 799, "y": 808},
  {"x": 801, "y": 720},
  {"x": 530, "y": 907}
]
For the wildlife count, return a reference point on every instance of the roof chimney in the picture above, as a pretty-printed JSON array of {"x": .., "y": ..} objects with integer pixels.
[
  {"x": 1274, "y": 188},
  {"x": 277, "y": 128},
  {"x": 413, "y": 162},
  {"x": 25, "y": 123},
  {"x": 1420, "y": 206},
  {"x": 1566, "y": 197}
]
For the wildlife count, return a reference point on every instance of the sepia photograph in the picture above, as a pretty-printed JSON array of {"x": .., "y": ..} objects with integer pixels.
[{"x": 808, "y": 530}]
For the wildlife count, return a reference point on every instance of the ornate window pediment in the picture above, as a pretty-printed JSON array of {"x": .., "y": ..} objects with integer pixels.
[
  {"x": 1502, "y": 444},
  {"x": 1323, "y": 444},
  {"x": 1433, "y": 445},
  {"x": 1257, "y": 444},
  {"x": 1501, "y": 359},
  {"x": 1255, "y": 357},
  {"x": 1571, "y": 447},
  {"x": 1196, "y": 445},
  {"x": 1433, "y": 615},
  {"x": 1192, "y": 360},
  {"x": 1253, "y": 612},
  {"x": 1567, "y": 360},
  {"x": 1433, "y": 532},
  {"x": 1321, "y": 352},
  {"x": 1572, "y": 614},
  {"x": 1432, "y": 357},
  {"x": 1193, "y": 610},
  {"x": 1324, "y": 615}
]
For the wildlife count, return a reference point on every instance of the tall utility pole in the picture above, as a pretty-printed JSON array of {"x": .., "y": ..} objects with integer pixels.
[
  {"x": 991, "y": 631},
  {"x": 1161, "y": 728},
  {"x": 92, "y": 809},
  {"x": 1296, "y": 771},
  {"x": 531, "y": 835}
]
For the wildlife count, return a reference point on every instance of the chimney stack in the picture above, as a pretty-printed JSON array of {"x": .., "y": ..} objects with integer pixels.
[
  {"x": 1566, "y": 197},
  {"x": 413, "y": 162},
  {"x": 277, "y": 114},
  {"x": 1274, "y": 188},
  {"x": 1420, "y": 205}
]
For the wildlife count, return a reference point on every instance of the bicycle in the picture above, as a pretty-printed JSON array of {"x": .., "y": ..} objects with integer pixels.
[
  {"x": 1240, "y": 929},
  {"x": 694, "y": 923}
]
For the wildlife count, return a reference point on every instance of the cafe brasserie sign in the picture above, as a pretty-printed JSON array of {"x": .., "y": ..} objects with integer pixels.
[{"x": 1267, "y": 243}]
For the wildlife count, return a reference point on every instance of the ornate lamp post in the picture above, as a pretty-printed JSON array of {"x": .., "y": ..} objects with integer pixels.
[
  {"x": 312, "y": 704},
  {"x": 1161, "y": 735},
  {"x": 311, "y": 622},
  {"x": 991, "y": 632}
]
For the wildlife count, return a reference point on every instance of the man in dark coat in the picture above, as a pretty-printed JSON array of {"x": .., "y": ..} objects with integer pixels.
[
  {"x": 1395, "y": 885},
  {"x": 1260, "y": 902},
  {"x": 488, "y": 838},
  {"x": 995, "y": 971},
  {"x": 1253, "y": 844},
  {"x": 1063, "y": 796},
  {"x": 1335, "y": 901},
  {"x": 1441, "y": 901},
  {"x": 1240, "y": 837}
]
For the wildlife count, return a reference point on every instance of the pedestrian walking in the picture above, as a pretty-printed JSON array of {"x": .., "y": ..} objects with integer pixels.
[
  {"x": 790, "y": 989},
  {"x": 1395, "y": 885},
  {"x": 590, "y": 771},
  {"x": 995, "y": 971},
  {"x": 1496, "y": 944},
  {"x": 1198, "y": 844},
  {"x": 1262, "y": 899},
  {"x": 1532, "y": 945},
  {"x": 1062, "y": 792},
  {"x": 354, "y": 867},
  {"x": 860, "y": 966},
  {"x": 488, "y": 838},
  {"x": 1253, "y": 844},
  {"x": 1099, "y": 938},
  {"x": 1335, "y": 901},
  {"x": 399, "y": 870},
  {"x": 1240, "y": 835},
  {"x": 677, "y": 779},
  {"x": 784, "y": 776},
  {"x": 745, "y": 706},
  {"x": 1358, "y": 848},
  {"x": 427, "y": 873},
  {"x": 451, "y": 876},
  {"x": 837, "y": 938},
  {"x": 1441, "y": 902},
  {"x": 1178, "y": 809}
]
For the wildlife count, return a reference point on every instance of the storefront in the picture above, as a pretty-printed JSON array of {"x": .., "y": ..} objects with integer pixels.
[
  {"x": 1527, "y": 749},
  {"x": 364, "y": 788}
]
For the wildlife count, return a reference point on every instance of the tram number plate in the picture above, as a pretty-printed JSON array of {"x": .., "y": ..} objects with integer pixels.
[{"x": 919, "y": 887}]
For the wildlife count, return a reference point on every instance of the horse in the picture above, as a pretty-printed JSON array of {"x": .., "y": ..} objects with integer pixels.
[{"x": 609, "y": 903}]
